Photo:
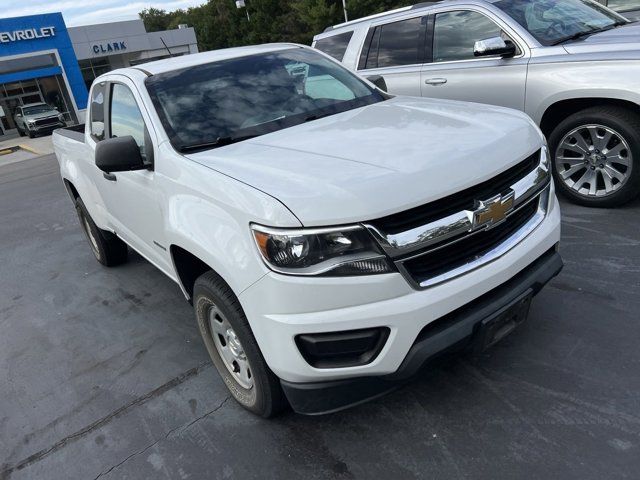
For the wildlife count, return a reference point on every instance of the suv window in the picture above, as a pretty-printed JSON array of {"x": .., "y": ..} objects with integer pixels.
[
  {"x": 455, "y": 34},
  {"x": 126, "y": 118},
  {"x": 97, "y": 111},
  {"x": 395, "y": 44},
  {"x": 336, "y": 45}
]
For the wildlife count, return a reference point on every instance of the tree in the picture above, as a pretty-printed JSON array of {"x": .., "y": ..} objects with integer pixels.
[
  {"x": 155, "y": 19},
  {"x": 219, "y": 24}
]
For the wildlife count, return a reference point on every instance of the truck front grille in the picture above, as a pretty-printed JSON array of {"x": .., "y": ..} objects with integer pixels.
[
  {"x": 441, "y": 240},
  {"x": 44, "y": 122},
  {"x": 465, "y": 200},
  {"x": 470, "y": 248}
]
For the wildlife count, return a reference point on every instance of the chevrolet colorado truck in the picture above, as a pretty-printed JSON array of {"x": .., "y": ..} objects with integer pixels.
[
  {"x": 571, "y": 65},
  {"x": 332, "y": 238}
]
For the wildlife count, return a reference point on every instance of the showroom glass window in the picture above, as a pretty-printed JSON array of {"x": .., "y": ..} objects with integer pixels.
[{"x": 455, "y": 34}]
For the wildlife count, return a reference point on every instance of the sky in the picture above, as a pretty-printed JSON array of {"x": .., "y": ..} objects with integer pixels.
[{"x": 86, "y": 12}]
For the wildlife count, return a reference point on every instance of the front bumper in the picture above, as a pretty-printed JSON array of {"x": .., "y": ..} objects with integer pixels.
[
  {"x": 280, "y": 307},
  {"x": 455, "y": 330}
]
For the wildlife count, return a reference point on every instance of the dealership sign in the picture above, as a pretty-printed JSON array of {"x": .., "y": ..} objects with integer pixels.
[
  {"x": 27, "y": 34},
  {"x": 109, "y": 47}
]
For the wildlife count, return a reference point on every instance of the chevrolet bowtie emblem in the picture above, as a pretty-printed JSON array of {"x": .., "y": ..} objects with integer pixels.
[{"x": 491, "y": 212}]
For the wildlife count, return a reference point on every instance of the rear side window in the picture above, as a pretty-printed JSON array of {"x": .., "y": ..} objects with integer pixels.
[
  {"x": 335, "y": 46},
  {"x": 395, "y": 44},
  {"x": 97, "y": 111}
]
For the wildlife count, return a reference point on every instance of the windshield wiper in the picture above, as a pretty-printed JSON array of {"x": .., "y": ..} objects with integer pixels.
[
  {"x": 218, "y": 142},
  {"x": 317, "y": 116},
  {"x": 586, "y": 33}
]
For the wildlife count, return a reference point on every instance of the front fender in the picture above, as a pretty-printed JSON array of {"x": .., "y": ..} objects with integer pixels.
[
  {"x": 549, "y": 83},
  {"x": 208, "y": 214}
]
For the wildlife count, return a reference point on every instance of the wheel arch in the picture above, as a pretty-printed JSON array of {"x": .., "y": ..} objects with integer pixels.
[
  {"x": 71, "y": 189},
  {"x": 188, "y": 268},
  {"x": 558, "y": 111}
]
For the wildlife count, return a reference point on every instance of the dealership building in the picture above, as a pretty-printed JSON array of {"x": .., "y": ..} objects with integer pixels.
[{"x": 41, "y": 60}]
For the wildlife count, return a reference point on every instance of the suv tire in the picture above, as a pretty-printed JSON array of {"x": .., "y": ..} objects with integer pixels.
[
  {"x": 596, "y": 156},
  {"x": 108, "y": 249},
  {"x": 233, "y": 348}
]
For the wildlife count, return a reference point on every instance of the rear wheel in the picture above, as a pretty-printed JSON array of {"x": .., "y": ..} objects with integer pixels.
[
  {"x": 108, "y": 249},
  {"x": 597, "y": 156},
  {"x": 233, "y": 348}
]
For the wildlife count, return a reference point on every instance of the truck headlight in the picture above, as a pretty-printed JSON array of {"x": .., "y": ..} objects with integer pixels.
[
  {"x": 340, "y": 251},
  {"x": 61, "y": 117}
]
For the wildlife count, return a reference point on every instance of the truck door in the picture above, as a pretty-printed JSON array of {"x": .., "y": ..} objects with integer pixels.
[
  {"x": 455, "y": 73},
  {"x": 132, "y": 199}
]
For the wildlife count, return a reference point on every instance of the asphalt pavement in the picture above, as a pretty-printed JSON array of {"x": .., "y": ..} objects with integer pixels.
[{"x": 103, "y": 373}]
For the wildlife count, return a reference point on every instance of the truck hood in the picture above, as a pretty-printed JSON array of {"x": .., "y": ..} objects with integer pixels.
[
  {"x": 379, "y": 159},
  {"x": 624, "y": 38}
]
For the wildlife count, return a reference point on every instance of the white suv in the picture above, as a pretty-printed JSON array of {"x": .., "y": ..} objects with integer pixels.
[
  {"x": 331, "y": 238},
  {"x": 571, "y": 65}
]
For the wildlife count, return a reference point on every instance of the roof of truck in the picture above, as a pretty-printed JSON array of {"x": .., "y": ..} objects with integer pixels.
[{"x": 186, "y": 61}]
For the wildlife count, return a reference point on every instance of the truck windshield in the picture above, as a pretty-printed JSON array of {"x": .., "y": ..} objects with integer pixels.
[
  {"x": 214, "y": 104},
  {"x": 555, "y": 21},
  {"x": 36, "y": 109}
]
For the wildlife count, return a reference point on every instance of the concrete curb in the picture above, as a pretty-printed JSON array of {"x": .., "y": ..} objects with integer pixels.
[{"x": 29, "y": 149}]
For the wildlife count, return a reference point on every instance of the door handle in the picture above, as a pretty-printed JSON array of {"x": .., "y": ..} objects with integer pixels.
[
  {"x": 435, "y": 81},
  {"x": 109, "y": 176}
]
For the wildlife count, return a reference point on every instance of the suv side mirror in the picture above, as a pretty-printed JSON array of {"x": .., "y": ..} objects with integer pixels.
[
  {"x": 119, "y": 154},
  {"x": 378, "y": 81},
  {"x": 494, "y": 46}
]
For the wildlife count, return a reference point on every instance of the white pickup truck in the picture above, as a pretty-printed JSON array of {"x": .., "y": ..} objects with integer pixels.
[{"x": 332, "y": 238}]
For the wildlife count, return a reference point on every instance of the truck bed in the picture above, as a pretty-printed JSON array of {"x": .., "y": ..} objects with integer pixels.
[{"x": 75, "y": 132}]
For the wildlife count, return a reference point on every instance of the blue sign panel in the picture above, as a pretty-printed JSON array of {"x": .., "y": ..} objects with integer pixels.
[{"x": 35, "y": 33}]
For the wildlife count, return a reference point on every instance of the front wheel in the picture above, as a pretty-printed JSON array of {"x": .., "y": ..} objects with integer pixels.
[
  {"x": 20, "y": 132},
  {"x": 233, "y": 348},
  {"x": 597, "y": 156},
  {"x": 108, "y": 249}
]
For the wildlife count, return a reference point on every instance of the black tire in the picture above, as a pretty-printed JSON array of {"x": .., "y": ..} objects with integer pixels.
[
  {"x": 108, "y": 249},
  {"x": 20, "y": 132},
  {"x": 264, "y": 397},
  {"x": 621, "y": 120},
  {"x": 31, "y": 134}
]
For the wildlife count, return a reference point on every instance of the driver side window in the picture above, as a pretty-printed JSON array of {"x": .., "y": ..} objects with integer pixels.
[
  {"x": 455, "y": 34},
  {"x": 126, "y": 118}
]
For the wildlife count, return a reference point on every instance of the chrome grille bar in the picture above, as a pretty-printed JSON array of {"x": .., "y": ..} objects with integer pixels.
[{"x": 465, "y": 221}]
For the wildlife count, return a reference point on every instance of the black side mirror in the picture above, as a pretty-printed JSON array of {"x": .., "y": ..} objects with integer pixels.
[
  {"x": 494, "y": 46},
  {"x": 378, "y": 81},
  {"x": 120, "y": 154}
]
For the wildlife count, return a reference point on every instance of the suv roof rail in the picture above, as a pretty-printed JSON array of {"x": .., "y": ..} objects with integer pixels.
[{"x": 383, "y": 14}]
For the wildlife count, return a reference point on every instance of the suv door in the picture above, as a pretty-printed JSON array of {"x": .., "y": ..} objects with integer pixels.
[
  {"x": 396, "y": 51},
  {"x": 455, "y": 73},
  {"x": 131, "y": 198}
]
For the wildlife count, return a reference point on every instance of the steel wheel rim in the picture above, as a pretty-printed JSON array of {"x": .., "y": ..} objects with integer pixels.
[
  {"x": 229, "y": 348},
  {"x": 594, "y": 160}
]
